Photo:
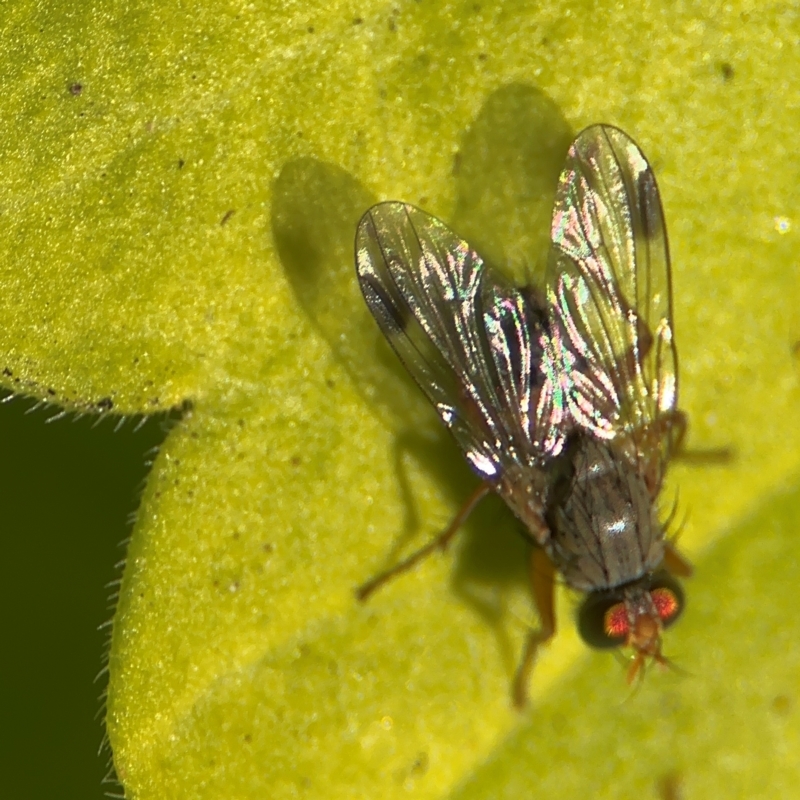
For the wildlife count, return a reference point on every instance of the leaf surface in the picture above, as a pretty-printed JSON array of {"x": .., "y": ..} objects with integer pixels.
[{"x": 180, "y": 185}]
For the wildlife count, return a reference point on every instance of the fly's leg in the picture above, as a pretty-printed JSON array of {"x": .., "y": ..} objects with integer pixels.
[
  {"x": 542, "y": 576},
  {"x": 672, "y": 426},
  {"x": 675, "y": 563},
  {"x": 672, "y": 423},
  {"x": 439, "y": 543},
  {"x": 712, "y": 456}
]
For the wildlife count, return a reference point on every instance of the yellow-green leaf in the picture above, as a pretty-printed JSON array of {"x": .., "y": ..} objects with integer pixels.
[{"x": 180, "y": 187}]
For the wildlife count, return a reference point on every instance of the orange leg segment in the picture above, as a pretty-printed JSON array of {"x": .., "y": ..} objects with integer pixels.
[
  {"x": 439, "y": 543},
  {"x": 707, "y": 455},
  {"x": 542, "y": 575},
  {"x": 675, "y": 563}
]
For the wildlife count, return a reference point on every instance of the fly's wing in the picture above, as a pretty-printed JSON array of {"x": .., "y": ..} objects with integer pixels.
[
  {"x": 609, "y": 289},
  {"x": 472, "y": 343}
]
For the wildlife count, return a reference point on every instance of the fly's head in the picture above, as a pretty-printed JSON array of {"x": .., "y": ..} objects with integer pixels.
[{"x": 633, "y": 616}]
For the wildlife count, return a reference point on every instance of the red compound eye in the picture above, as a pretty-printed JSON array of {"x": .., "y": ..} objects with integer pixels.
[
  {"x": 615, "y": 622},
  {"x": 666, "y": 603},
  {"x": 602, "y": 621}
]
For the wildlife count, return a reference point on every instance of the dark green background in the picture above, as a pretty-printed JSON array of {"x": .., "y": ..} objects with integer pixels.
[{"x": 67, "y": 490}]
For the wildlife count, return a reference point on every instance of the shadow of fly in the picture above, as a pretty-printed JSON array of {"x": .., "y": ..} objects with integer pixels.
[{"x": 563, "y": 400}]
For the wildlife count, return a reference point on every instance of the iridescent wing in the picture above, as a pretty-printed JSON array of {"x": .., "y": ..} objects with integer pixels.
[
  {"x": 471, "y": 342},
  {"x": 609, "y": 289}
]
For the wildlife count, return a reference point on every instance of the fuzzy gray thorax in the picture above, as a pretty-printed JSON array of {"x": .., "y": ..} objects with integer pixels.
[{"x": 604, "y": 528}]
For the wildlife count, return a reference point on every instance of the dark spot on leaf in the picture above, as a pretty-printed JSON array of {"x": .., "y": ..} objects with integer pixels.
[
  {"x": 75, "y": 89},
  {"x": 330, "y": 383},
  {"x": 268, "y": 547},
  {"x": 228, "y": 214},
  {"x": 236, "y": 535},
  {"x": 181, "y": 162},
  {"x": 310, "y": 29},
  {"x": 295, "y": 461},
  {"x": 727, "y": 71},
  {"x": 7, "y": 372},
  {"x": 483, "y": 56},
  {"x": 106, "y": 404},
  {"x": 392, "y": 26},
  {"x": 782, "y": 704},
  {"x": 248, "y": 738},
  {"x": 456, "y": 162},
  {"x": 420, "y": 765},
  {"x": 51, "y": 392},
  {"x": 357, "y": 21},
  {"x": 670, "y": 786}
]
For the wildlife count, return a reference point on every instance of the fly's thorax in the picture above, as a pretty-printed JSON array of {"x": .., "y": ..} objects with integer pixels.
[{"x": 605, "y": 530}]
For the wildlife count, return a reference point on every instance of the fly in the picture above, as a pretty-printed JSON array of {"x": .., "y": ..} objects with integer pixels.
[{"x": 564, "y": 402}]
